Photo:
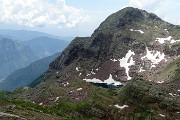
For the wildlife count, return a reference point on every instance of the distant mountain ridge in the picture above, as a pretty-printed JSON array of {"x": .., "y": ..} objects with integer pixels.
[
  {"x": 14, "y": 56},
  {"x": 24, "y": 76},
  {"x": 24, "y": 35},
  {"x": 45, "y": 46},
  {"x": 19, "y": 48}
]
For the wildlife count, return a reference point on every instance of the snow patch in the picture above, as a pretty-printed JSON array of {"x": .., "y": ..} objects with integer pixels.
[
  {"x": 162, "y": 115},
  {"x": 174, "y": 41},
  {"x": 94, "y": 80},
  {"x": 127, "y": 61},
  {"x": 121, "y": 107},
  {"x": 25, "y": 88},
  {"x": 80, "y": 74},
  {"x": 114, "y": 60},
  {"x": 97, "y": 69},
  {"x": 171, "y": 94},
  {"x": 141, "y": 70},
  {"x": 88, "y": 74},
  {"x": 77, "y": 69},
  {"x": 71, "y": 91},
  {"x": 153, "y": 66},
  {"x": 40, "y": 103},
  {"x": 160, "y": 82},
  {"x": 110, "y": 80},
  {"x": 154, "y": 56},
  {"x": 137, "y": 31},
  {"x": 162, "y": 40},
  {"x": 79, "y": 89},
  {"x": 65, "y": 84},
  {"x": 57, "y": 98},
  {"x": 178, "y": 90},
  {"x": 169, "y": 39},
  {"x": 92, "y": 72}
]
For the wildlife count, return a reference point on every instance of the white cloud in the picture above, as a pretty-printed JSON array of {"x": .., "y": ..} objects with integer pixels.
[
  {"x": 166, "y": 9},
  {"x": 142, "y": 3},
  {"x": 40, "y": 13}
]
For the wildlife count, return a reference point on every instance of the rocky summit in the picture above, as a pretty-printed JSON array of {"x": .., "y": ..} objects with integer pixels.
[{"x": 127, "y": 70}]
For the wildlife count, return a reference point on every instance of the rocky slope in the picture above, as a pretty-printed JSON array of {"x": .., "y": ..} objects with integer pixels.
[{"x": 128, "y": 69}]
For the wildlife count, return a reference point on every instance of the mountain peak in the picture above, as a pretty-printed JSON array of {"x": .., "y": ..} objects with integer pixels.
[
  {"x": 130, "y": 14},
  {"x": 129, "y": 17}
]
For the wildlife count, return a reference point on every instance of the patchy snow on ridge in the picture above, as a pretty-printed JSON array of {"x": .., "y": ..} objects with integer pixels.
[
  {"x": 163, "y": 40},
  {"x": 121, "y": 107},
  {"x": 162, "y": 115},
  {"x": 40, "y": 103},
  {"x": 141, "y": 69},
  {"x": 97, "y": 69},
  {"x": 94, "y": 80},
  {"x": 57, "y": 98},
  {"x": 88, "y": 74},
  {"x": 77, "y": 69},
  {"x": 160, "y": 82},
  {"x": 114, "y": 60},
  {"x": 92, "y": 72},
  {"x": 127, "y": 61},
  {"x": 171, "y": 94},
  {"x": 174, "y": 41},
  {"x": 79, "y": 89},
  {"x": 65, "y": 84},
  {"x": 137, "y": 31},
  {"x": 110, "y": 80},
  {"x": 154, "y": 56}
]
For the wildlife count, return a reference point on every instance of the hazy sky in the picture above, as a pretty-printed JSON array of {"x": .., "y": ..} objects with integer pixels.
[{"x": 75, "y": 17}]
